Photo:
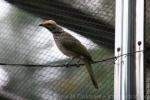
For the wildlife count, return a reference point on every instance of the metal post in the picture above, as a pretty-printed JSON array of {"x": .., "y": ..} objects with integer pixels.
[
  {"x": 124, "y": 44},
  {"x": 139, "y": 47},
  {"x": 118, "y": 51}
]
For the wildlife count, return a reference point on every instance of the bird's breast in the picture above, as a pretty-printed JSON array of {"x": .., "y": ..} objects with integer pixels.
[{"x": 63, "y": 49}]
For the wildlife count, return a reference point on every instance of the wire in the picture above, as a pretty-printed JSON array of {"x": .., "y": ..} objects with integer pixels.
[{"x": 72, "y": 65}]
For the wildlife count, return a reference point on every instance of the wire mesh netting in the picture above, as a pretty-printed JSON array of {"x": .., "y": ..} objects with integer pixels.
[
  {"x": 24, "y": 43},
  {"x": 147, "y": 49}
]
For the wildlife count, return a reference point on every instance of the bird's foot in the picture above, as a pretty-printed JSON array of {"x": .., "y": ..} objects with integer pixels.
[
  {"x": 67, "y": 65},
  {"x": 77, "y": 65}
]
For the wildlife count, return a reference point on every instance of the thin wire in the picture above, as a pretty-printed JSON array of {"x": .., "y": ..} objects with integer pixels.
[{"x": 72, "y": 65}]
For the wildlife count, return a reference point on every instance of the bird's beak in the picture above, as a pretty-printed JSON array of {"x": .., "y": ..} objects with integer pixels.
[{"x": 41, "y": 24}]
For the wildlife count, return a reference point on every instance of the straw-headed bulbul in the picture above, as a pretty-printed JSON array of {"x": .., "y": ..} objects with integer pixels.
[{"x": 70, "y": 46}]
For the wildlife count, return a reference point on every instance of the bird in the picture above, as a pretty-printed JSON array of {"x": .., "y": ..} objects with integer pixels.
[{"x": 70, "y": 46}]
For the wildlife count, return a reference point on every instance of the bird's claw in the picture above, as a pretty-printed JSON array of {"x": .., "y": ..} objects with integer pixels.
[
  {"x": 67, "y": 65},
  {"x": 77, "y": 65}
]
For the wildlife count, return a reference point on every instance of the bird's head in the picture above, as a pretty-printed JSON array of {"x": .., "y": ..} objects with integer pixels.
[{"x": 51, "y": 25}]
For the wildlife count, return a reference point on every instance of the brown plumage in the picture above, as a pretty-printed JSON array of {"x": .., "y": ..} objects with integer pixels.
[{"x": 70, "y": 46}]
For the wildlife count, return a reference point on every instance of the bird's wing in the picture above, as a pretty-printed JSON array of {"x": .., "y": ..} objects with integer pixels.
[{"x": 74, "y": 45}]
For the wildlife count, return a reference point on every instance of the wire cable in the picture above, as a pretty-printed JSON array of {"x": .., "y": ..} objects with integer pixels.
[{"x": 72, "y": 65}]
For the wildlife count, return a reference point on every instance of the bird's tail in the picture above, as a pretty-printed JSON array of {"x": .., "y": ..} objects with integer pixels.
[{"x": 91, "y": 73}]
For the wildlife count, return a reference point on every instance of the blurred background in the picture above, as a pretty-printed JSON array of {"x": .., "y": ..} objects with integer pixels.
[
  {"x": 23, "y": 42},
  {"x": 147, "y": 50}
]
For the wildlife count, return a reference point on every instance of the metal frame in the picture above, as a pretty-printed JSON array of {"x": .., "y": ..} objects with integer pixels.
[
  {"x": 118, "y": 51},
  {"x": 129, "y": 70},
  {"x": 139, "y": 47}
]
